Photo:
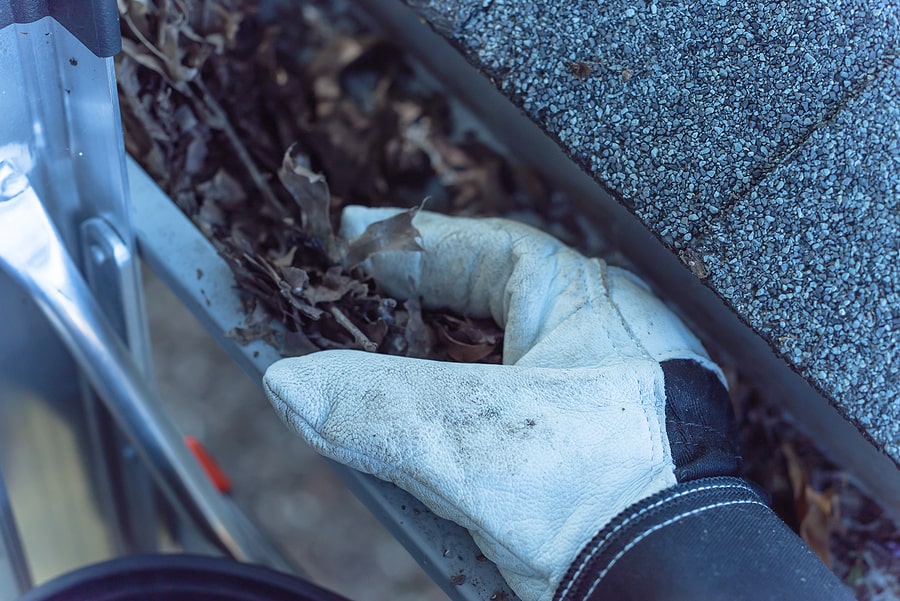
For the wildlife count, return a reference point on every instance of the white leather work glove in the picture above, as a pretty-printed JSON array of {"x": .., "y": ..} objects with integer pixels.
[{"x": 536, "y": 455}]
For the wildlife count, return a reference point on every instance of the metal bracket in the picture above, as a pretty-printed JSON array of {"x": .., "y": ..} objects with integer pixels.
[{"x": 126, "y": 487}]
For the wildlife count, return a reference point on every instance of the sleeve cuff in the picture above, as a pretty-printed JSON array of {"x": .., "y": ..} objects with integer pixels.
[{"x": 713, "y": 538}]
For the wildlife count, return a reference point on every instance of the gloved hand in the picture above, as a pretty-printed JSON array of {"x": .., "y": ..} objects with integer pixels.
[{"x": 536, "y": 455}]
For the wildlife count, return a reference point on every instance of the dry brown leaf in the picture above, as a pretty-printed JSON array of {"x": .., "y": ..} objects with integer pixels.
[
  {"x": 287, "y": 259},
  {"x": 393, "y": 233},
  {"x": 463, "y": 351},
  {"x": 306, "y": 310},
  {"x": 470, "y": 341},
  {"x": 256, "y": 326},
  {"x": 418, "y": 335},
  {"x": 816, "y": 512},
  {"x": 143, "y": 57},
  {"x": 818, "y": 524},
  {"x": 796, "y": 473},
  {"x": 319, "y": 294},
  {"x": 142, "y": 130},
  {"x": 310, "y": 192},
  {"x": 296, "y": 278},
  {"x": 210, "y": 217},
  {"x": 294, "y": 344},
  {"x": 326, "y": 69},
  {"x": 222, "y": 189},
  {"x": 377, "y": 331},
  {"x": 471, "y": 331}
]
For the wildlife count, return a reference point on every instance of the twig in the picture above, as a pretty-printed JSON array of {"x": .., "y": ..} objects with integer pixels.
[
  {"x": 243, "y": 154},
  {"x": 360, "y": 338},
  {"x": 143, "y": 39}
]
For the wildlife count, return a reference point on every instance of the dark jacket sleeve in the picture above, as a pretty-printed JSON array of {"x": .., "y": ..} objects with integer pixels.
[{"x": 708, "y": 539}]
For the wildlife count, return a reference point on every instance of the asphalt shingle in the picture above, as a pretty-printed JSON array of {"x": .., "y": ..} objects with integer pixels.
[{"x": 761, "y": 138}]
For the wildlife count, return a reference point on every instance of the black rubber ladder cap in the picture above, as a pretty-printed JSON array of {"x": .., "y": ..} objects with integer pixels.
[{"x": 177, "y": 577}]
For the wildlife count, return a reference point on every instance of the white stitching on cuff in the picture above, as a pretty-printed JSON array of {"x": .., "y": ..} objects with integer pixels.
[
  {"x": 668, "y": 522},
  {"x": 633, "y": 517}
]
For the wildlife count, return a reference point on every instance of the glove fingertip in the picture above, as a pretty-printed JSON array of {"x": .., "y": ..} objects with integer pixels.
[{"x": 291, "y": 385}]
